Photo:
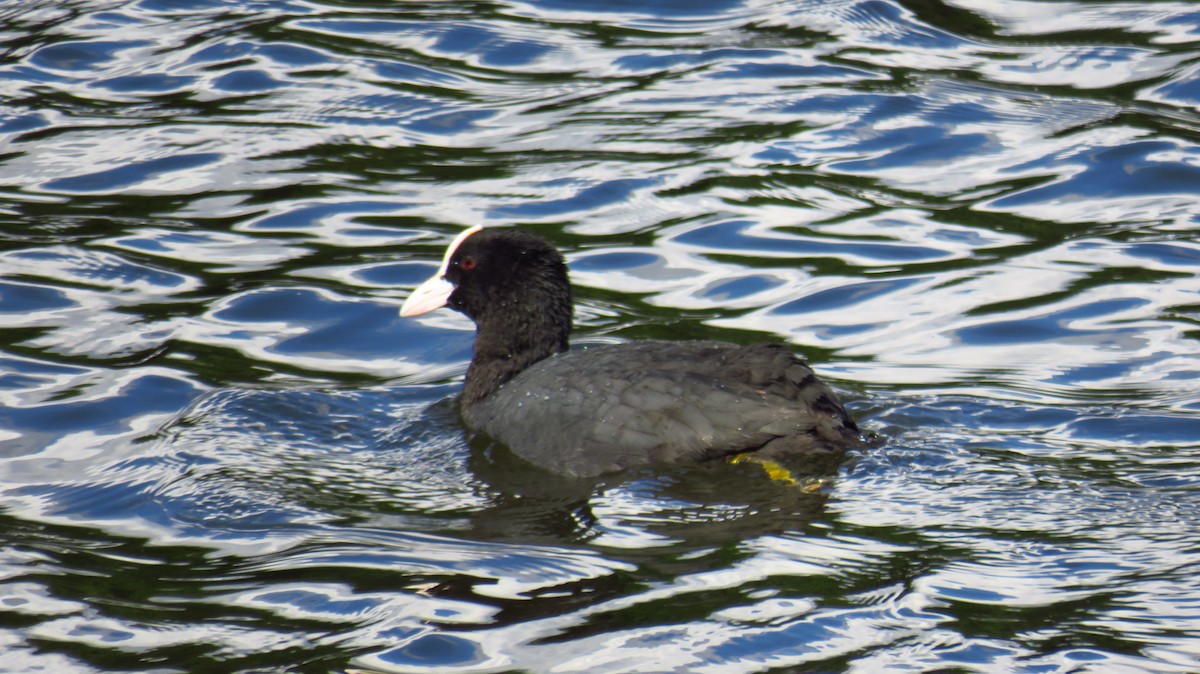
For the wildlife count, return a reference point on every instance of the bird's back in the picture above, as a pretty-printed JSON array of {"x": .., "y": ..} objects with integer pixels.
[{"x": 602, "y": 409}]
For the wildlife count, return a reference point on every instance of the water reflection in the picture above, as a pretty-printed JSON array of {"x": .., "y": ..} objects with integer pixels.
[{"x": 220, "y": 446}]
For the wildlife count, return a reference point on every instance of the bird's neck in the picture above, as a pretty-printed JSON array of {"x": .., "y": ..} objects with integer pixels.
[{"x": 505, "y": 348}]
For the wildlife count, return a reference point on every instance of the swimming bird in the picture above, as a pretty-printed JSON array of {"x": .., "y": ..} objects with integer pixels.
[{"x": 590, "y": 411}]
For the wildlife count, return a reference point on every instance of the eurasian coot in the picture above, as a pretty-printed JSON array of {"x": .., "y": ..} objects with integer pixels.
[{"x": 590, "y": 411}]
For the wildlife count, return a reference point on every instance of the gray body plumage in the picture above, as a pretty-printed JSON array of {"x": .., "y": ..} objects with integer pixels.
[{"x": 602, "y": 409}]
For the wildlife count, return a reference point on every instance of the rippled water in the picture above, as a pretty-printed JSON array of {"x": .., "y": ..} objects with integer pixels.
[{"x": 222, "y": 450}]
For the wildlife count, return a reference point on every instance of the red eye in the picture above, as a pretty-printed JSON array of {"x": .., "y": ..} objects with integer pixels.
[{"x": 467, "y": 263}]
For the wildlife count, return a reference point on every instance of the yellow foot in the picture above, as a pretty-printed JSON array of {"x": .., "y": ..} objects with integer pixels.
[{"x": 778, "y": 473}]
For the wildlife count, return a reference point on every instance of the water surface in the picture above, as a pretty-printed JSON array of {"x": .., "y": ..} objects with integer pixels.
[{"x": 222, "y": 450}]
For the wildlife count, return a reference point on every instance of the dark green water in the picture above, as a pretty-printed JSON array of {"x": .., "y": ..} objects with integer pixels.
[{"x": 221, "y": 450}]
